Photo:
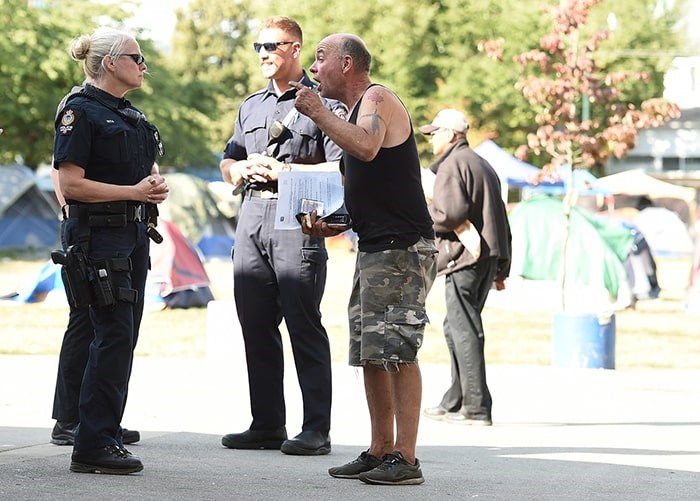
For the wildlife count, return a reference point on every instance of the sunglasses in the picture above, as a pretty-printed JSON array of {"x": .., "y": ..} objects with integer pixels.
[
  {"x": 268, "y": 46},
  {"x": 137, "y": 58}
]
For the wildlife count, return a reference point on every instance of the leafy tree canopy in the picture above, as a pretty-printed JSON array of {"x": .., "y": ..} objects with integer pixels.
[{"x": 428, "y": 51}]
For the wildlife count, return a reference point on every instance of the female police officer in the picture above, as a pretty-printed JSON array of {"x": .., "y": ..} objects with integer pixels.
[{"x": 105, "y": 152}]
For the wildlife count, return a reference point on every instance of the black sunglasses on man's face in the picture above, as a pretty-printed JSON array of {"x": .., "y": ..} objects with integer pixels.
[{"x": 268, "y": 46}]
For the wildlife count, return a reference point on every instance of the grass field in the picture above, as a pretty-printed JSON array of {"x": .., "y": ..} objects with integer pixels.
[{"x": 657, "y": 334}]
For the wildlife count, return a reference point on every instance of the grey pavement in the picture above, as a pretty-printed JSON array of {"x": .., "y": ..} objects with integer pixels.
[{"x": 558, "y": 434}]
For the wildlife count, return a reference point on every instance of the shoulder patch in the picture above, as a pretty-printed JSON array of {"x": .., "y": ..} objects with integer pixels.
[{"x": 67, "y": 120}]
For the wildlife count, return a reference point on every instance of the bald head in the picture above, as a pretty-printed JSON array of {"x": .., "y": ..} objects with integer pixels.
[{"x": 348, "y": 44}]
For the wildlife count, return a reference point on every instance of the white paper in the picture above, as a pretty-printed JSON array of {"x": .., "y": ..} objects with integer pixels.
[{"x": 294, "y": 186}]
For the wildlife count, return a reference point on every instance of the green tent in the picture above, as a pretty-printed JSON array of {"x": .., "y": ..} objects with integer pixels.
[{"x": 597, "y": 246}]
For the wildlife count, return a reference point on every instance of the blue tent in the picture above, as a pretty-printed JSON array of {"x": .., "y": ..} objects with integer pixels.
[
  {"x": 513, "y": 172},
  {"x": 27, "y": 217}
]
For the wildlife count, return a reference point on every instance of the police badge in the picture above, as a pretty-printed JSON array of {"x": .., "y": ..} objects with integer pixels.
[{"x": 66, "y": 122}]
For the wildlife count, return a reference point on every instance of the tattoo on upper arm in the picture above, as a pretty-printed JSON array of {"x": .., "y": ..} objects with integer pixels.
[{"x": 376, "y": 98}]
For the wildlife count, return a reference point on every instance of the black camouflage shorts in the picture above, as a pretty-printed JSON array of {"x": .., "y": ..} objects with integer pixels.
[{"x": 386, "y": 310}]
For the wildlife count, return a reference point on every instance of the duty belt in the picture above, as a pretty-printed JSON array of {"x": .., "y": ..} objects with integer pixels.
[
  {"x": 265, "y": 193},
  {"x": 113, "y": 214}
]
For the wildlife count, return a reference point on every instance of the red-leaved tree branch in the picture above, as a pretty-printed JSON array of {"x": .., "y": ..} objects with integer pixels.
[{"x": 562, "y": 79}]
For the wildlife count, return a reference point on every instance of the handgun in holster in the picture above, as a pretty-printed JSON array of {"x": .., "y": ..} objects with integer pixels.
[
  {"x": 78, "y": 274},
  {"x": 90, "y": 282}
]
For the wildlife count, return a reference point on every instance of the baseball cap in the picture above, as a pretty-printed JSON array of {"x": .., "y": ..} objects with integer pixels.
[{"x": 447, "y": 119}]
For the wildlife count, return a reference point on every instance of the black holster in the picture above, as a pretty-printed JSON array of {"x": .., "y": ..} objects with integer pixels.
[{"x": 90, "y": 282}]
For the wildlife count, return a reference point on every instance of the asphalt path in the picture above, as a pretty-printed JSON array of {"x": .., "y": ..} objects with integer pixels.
[{"x": 558, "y": 434}]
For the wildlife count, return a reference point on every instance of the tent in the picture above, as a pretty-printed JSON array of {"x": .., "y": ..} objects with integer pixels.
[
  {"x": 513, "y": 173},
  {"x": 664, "y": 231},
  {"x": 195, "y": 211},
  {"x": 177, "y": 266},
  {"x": 177, "y": 278},
  {"x": 28, "y": 219},
  {"x": 596, "y": 253},
  {"x": 636, "y": 182},
  {"x": 629, "y": 186}
]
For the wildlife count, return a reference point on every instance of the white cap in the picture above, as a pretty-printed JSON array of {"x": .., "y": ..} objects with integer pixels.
[{"x": 447, "y": 119}]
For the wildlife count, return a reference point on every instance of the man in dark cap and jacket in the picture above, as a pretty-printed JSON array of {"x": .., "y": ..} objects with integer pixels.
[{"x": 473, "y": 240}]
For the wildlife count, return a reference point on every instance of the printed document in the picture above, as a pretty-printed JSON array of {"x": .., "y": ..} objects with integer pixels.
[{"x": 300, "y": 190}]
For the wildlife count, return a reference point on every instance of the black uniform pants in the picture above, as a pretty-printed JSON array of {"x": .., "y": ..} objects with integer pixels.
[
  {"x": 71, "y": 364},
  {"x": 105, "y": 380},
  {"x": 72, "y": 357},
  {"x": 281, "y": 274},
  {"x": 465, "y": 295}
]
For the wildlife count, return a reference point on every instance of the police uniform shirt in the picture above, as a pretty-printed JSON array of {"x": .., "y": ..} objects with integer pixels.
[
  {"x": 304, "y": 143},
  {"x": 93, "y": 134}
]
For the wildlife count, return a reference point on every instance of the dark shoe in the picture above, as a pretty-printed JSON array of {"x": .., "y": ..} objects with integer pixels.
[
  {"x": 435, "y": 412},
  {"x": 63, "y": 433},
  {"x": 308, "y": 443},
  {"x": 255, "y": 439},
  {"x": 130, "y": 436},
  {"x": 364, "y": 462},
  {"x": 395, "y": 470},
  {"x": 112, "y": 459},
  {"x": 459, "y": 418}
]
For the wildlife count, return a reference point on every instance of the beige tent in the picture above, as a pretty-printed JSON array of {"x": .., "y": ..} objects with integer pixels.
[{"x": 637, "y": 183}]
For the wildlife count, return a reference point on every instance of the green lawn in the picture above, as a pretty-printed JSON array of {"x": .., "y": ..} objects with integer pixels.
[{"x": 657, "y": 334}]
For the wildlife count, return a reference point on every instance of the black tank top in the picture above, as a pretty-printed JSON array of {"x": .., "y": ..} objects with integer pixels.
[{"x": 385, "y": 196}]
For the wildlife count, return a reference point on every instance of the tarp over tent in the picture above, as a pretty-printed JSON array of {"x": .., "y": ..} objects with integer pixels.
[
  {"x": 177, "y": 266},
  {"x": 27, "y": 217},
  {"x": 514, "y": 173},
  {"x": 596, "y": 253},
  {"x": 664, "y": 231},
  {"x": 636, "y": 183}
]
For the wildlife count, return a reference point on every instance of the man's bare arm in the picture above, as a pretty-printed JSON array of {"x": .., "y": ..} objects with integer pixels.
[{"x": 362, "y": 140}]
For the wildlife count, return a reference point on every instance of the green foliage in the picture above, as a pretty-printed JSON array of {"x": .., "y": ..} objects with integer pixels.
[
  {"x": 563, "y": 80},
  {"x": 212, "y": 49},
  {"x": 426, "y": 51}
]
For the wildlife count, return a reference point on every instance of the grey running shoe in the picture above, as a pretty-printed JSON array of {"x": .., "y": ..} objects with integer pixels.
[
  {"x": 395, "y": 470},
  {"x": 364, "y": 462}
]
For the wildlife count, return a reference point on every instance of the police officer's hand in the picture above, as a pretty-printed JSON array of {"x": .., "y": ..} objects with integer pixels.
[
  {"x": 316, "y": 227},
  {"x": 153, "y": 189},
  {"x": 254, "y": 170},
  {"x": 268, "y": 167}
]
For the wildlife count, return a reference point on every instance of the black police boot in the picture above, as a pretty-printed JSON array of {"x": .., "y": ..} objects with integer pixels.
[
  {"x": 112, "y": 459},
  {"x": 63, "y": 433}
]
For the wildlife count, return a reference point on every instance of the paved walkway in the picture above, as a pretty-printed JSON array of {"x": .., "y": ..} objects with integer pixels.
[{"x": 558, "y": 434}]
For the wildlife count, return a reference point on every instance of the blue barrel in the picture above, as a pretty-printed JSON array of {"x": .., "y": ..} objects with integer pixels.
[{"x": 583, "y": 340}]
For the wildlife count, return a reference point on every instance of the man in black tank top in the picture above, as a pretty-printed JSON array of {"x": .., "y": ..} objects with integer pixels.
[{"x": 396, "y": 265}]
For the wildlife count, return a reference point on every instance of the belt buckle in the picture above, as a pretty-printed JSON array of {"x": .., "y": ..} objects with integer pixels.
[
  {"x": 267, "y": 194},
  {"x": 138, "y": 213}
]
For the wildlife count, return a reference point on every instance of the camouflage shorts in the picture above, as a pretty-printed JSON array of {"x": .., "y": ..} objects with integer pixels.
[{"x": 387, "y": 305}]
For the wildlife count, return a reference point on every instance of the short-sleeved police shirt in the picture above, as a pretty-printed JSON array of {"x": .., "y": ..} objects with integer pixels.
[
  {"x": 304, "y": 143},
  {"x": 92, "y": 134}
]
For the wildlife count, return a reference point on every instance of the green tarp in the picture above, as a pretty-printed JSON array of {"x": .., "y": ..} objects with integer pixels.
[{"x": 597, "y": 247}]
